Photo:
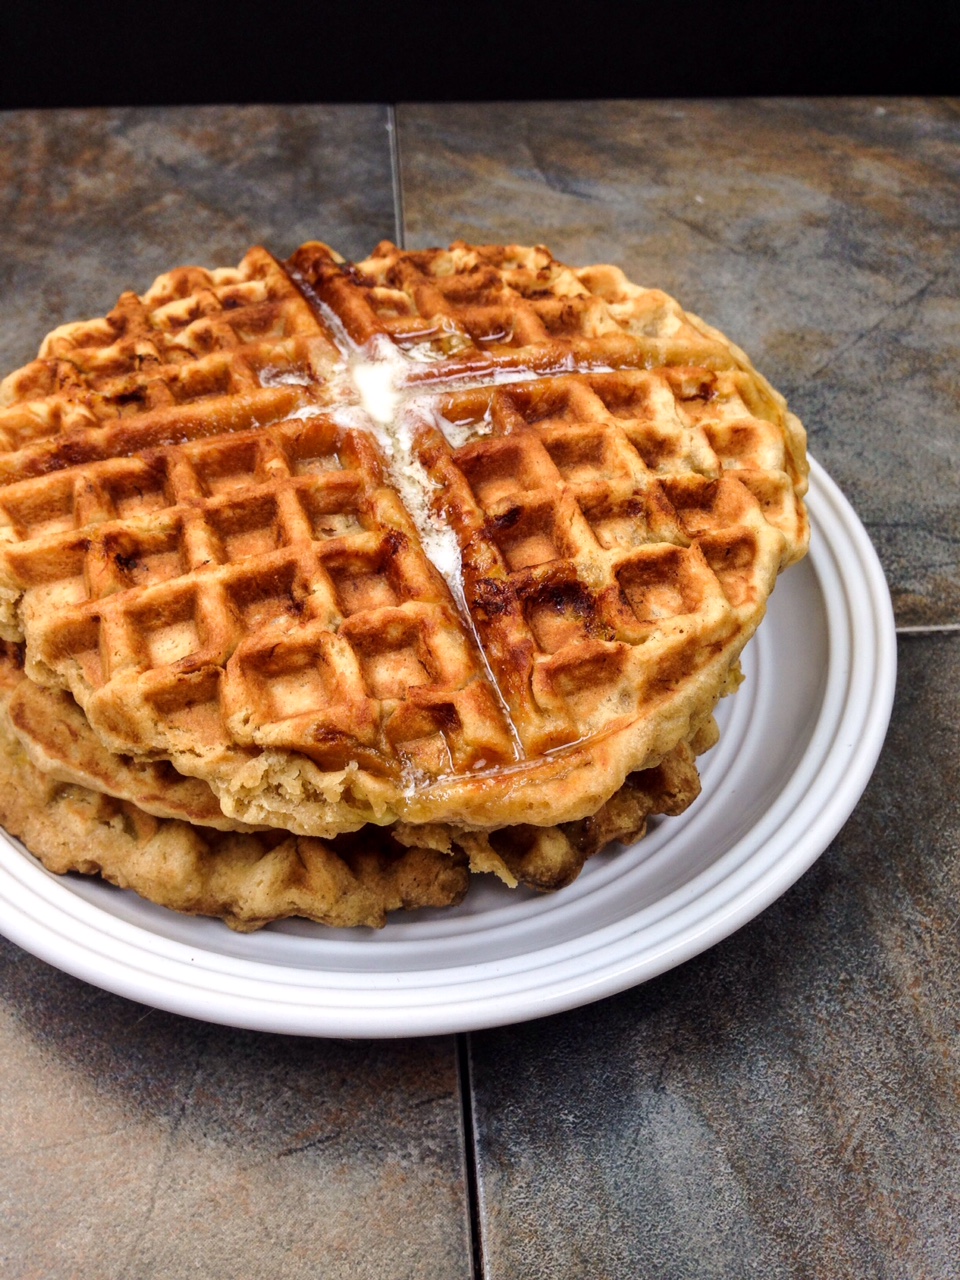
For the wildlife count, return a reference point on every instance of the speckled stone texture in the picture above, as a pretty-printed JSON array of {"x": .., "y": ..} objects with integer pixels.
[
  {"x": 786, "y": 1105},
  {"x": 137, "y": 1145},
  {"x": 821, "y": 235}
]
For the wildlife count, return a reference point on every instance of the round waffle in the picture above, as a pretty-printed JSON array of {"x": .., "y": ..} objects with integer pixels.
[
  {"x": 458, "y": 537},
  {"x": 142, "y": 826}
]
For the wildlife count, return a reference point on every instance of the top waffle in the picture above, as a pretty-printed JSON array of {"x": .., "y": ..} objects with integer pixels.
[{"x": 456, "y": 536}]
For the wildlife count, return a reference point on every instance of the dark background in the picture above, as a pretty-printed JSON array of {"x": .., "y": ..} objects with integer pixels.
[{"x": 57, "y": 54}]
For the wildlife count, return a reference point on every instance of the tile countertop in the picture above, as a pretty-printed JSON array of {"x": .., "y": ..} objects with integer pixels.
[{"x": 787, "y": 1104}]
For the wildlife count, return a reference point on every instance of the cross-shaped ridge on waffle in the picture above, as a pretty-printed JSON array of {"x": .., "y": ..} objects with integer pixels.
[{"x": 529, "y": 576}]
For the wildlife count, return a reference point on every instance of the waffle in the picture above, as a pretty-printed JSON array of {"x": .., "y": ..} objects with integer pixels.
[
  {"x": 475, "y": 310},
  {"x": 456, "y": 538},
  {"x": 80, "y": 808},
  {"x": 58, "y": 740},
  {"x": 199, "y": 352},
  {"x": 246, "y": 879}
]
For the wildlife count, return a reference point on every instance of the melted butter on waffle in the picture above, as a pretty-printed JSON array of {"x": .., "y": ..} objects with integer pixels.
[{"x": 459, "y": 536}]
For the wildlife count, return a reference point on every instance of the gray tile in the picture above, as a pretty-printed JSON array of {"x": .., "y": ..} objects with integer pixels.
[
  {"x": 97, "y": 201},
  {"x": 137, "y": 1145},
  {"x": 786, "y": 1105},
  {"x": 821, "y": 235}
]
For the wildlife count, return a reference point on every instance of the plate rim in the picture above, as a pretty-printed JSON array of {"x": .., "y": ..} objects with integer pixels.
[{"x": 41, "y": 913}]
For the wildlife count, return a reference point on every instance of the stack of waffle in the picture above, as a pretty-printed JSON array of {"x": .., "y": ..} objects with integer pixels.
[{"x": 324, "y": 584}]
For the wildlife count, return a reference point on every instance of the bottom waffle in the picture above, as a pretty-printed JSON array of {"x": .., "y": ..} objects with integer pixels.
[
  {"x": 248, "y": 880},
  {"x": 78, "y": 807}
]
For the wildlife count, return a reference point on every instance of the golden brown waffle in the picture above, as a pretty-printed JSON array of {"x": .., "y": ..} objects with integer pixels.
[
  {"x": 58, "y": 740},
  {"x": 248, "y": 880},
  {"x": 79, "y": 808},
  {"x": 605, "y": 544},
  {"x": 274, "y": 594},
  {"x": 479, "y": 597},
  {"x": 197, "y": 352},
  {"x": 470, "y": 310}
]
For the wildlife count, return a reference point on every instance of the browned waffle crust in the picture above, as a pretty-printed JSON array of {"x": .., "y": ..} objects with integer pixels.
[
  {"x": 246, "y": 879},
  {"x": 462, "y": 537},
  {"x": 79, "y": 807}
]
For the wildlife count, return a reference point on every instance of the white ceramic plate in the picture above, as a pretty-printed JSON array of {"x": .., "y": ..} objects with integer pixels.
[{"x": 798, "y": 744}]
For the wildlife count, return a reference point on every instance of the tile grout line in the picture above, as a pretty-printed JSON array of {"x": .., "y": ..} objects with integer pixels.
[
  {"x": 934, "y": 629},
  {"x": 471, "y": 1164},
  {"x": 396, "y": 177}
]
